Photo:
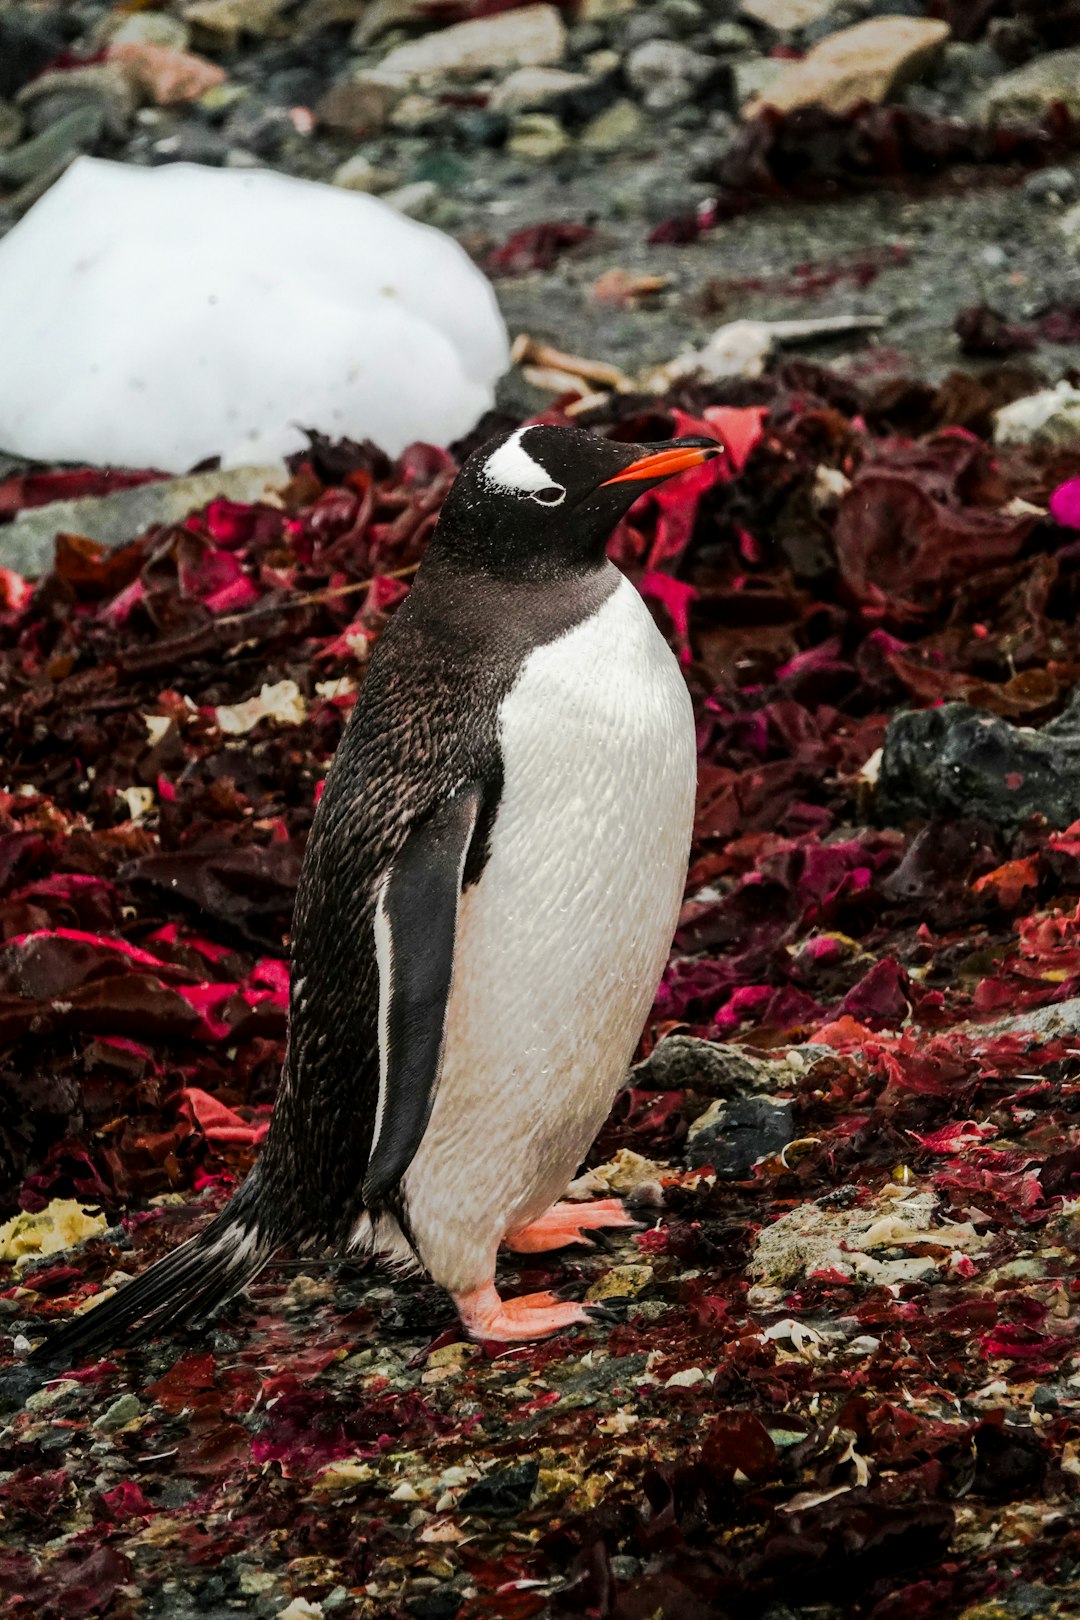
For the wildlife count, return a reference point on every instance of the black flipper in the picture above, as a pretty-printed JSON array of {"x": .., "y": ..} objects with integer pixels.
[
  {"x": 182, "y": 1288},
  {"x": 415, "y": 928}
]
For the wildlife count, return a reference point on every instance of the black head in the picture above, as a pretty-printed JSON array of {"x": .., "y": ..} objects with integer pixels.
[{"x": 542, "y": 501}]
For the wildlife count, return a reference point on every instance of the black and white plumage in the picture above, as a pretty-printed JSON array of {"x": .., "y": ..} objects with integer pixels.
[{"x": 488, "y": 895}]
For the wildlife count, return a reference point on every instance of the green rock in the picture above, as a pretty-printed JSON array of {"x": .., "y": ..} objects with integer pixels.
[
  {"x": 124, "y": 1410},
  {"x": 79, "y": 130},
  {"x": 614, "y": 129},
  {"x": 538, "y": 136}
]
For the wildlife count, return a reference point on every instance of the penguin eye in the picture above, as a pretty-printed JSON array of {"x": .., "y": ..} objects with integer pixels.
[{"x": 550, "y": 495}]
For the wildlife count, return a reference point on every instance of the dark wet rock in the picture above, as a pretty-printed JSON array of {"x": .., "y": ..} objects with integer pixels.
[
  {"x": 733, "y": 1135},
  {"x": 959, "y": 761},
  {"x": 29, "y": 40},
  {"x": 504, "y": 1490}
]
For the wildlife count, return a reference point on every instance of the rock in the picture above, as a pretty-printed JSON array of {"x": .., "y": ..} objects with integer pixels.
[
  {"x": 683, "y": 1062},
  {"x": 732, "y": 1135},
  {"x": 58, "y": 144},
  {"x": 503, "y": 1490},
  {"x": 666, "y": 73},
  {"x": 417, "y": 200},
  {"x": 726, "y": 38},
  {"x": 165, "y": 76},
  {"x": 613, "y": 130},
  {"x": 27, "y": 543},
  {"x": 104, "y": 86},
  {"x": 358, "y": 173},
  {"x": 223, "y": 357},
  {"x": 219, "y": 24},
  {"x": 359, "y": 107},
  {"x": 1055, "y": 186},
  {"x": 787, "y": 16},
  {"x": 537, "y": 136},
  {"x": 684, "y": 17},
  {"x": 529, "y": 89},
  {"x": 11, "y": 126},
  {"x": 642, "y": 26},
  {"x": 415, "y": 114},
  {"x": 1049, "y": 419},
  {"x": 151, "y": 28},
  {"x": 531, "y": 37},
  {"x": 956, "y": 760},
  {"x": 604, "y": 10},
  {"x": 30, "y": 38},
  {"x": 867, "y": 63},
  {"x": 621, "y": 1282},
  {"x": 816, "y": 1236},
  {"x": 755, "y": 76},
  {"x": 258, "y": 129},
  {"x": 124, "y": 1410},
  {"x": 1030, "y": 91}
]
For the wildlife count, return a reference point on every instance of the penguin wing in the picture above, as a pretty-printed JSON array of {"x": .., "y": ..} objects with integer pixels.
[{"x": 415, "y": 929}]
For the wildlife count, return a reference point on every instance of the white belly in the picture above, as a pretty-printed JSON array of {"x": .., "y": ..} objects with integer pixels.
[{"x": 562, "y": 942}]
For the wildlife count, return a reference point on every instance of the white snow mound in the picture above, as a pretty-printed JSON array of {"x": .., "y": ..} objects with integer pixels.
[{"x": 155, "y": 317}]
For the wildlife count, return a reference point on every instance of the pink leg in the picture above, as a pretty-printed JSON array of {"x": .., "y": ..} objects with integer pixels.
[
  {"x": 567, "y": 1223},
  {"x": 530, "y": 1316}
]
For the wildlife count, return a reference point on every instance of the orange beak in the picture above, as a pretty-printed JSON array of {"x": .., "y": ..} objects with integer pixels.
[{"x": 665, "y": 463}]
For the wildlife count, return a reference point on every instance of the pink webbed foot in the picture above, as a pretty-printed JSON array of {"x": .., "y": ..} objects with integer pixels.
[
  {"x": 567, "y": 1223},
  {"x": 530, "y": 1316}
]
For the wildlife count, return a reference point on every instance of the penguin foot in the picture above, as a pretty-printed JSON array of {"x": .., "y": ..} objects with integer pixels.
[
  {"x": 530, "y": 1316},
  {"x": 568, "y": 1223}
]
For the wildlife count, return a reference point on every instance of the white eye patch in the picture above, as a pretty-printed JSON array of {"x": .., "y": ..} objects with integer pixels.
[{"x": 511, "y": 468}]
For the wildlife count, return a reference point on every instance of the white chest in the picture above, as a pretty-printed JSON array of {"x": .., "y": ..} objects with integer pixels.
[{"x": 562, "y": 942}]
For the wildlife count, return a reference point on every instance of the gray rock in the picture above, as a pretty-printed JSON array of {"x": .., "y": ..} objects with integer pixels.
[
  {"x": 78, "y": 132},
  {"x": 642, "y": 26},
  {"x": 260, "y": 129},
  {"x": 417, "y": 115},
  {"x": 151, "y": 28},
  {"x": 54, "y": 95},
  {"x": 1032, "y": 90},
  {"x": 958, "y": 761},
  {"x": 720, "y": 1070},
  {"x": 732, "y": 1135},
  {"x": 11, "y": 126},
  {"x": 729, "y": 38},
  {"x": 26, "y": 544},
  {"x": 533, "y": 89},
  {"x": 755, "y": 76},
  {"x": 684, "y": 17},
  {"x": 1051, "y": 185},
  {"x": 661, "y": 62}
]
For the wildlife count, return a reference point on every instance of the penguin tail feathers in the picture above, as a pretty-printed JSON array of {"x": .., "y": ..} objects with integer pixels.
[{"x": 183, "y": 1288}]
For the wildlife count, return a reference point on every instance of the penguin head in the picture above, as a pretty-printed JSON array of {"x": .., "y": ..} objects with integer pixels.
[{"x": 542, "y": 501}]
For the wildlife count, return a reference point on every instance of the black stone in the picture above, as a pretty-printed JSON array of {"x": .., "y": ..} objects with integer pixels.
[
  {"x": 748, "y": 1129},
  {"x": 504, "y": 1490},
  {"x": 29, "y": 40},
  {"x": 960, "y": 761},
  {"x": 442, "y": 1604}
]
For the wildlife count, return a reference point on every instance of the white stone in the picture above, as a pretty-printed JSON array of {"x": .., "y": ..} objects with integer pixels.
[
  {"x": 785, "y": 16},
  {"x": 532, "y": 37},
  {"x": 1049, "y": 418},
  {"x": 171, "y": 314},
  {"x": 528, "y": 88}
]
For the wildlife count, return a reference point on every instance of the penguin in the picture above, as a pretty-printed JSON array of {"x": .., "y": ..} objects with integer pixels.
[{"x": 487, "y": 900}]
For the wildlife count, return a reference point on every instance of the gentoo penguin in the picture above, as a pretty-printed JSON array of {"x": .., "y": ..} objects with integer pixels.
[{"x": 487, "y": 900}]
